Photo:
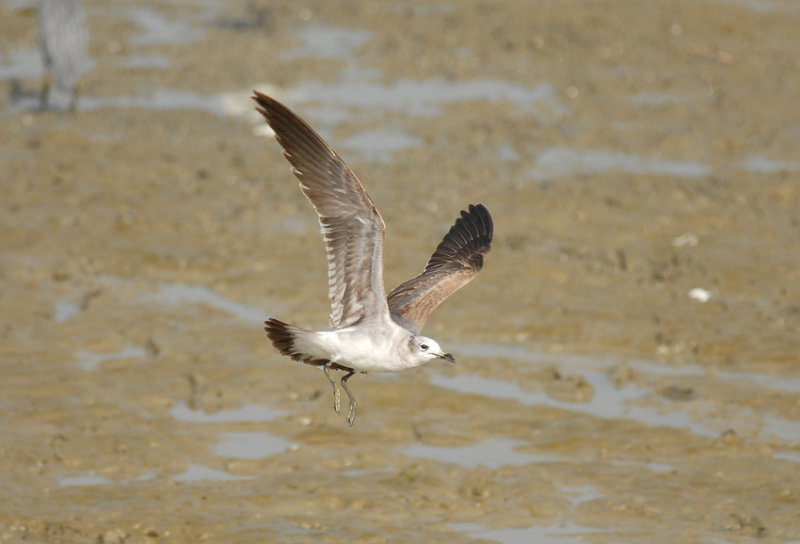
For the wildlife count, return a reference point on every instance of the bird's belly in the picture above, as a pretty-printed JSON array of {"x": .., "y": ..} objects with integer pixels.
[
  {"x": 368, "y": 360},
  {"x": 372, "y": 363},
  {"x": 365, "y": 354}
]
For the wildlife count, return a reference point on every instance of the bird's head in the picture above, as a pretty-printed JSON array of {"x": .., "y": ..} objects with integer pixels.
[{"x": 427, "y": 349}]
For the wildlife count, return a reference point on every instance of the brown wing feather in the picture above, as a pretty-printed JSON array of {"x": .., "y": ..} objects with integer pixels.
[
  {"x": 457, "y": 259},
  {"x": 351, "y": 226}
]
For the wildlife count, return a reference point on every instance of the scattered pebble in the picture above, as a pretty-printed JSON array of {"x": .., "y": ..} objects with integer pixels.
[
  {"x": 686, "y": 239},
  {"x": 700, "y": 295}
]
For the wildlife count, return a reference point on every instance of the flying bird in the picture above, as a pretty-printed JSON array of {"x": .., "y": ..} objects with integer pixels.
[{"x": 370, "y": 331}]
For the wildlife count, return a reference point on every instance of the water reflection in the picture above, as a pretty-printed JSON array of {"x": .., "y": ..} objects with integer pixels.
[
  {"x": 64, "y": 310},
  {"x": 427, "y": 97},
  {"x": 85, "y": 480},
  {"x": 554, "y": 534},
  {"x": 611, "y": 401},
  {"x": 248, "y": 413},
  {"x": 90, "y": 361},
  {"x": 661, "y": 99},
  {"x": 180, "y": 294},
  {"x": 159, "y": 99},
  {"x": 560, "y": 162},
  {"x": 380, "y": 144},
  {"x": 327, "y": 42},
  {"x": 250, "y": 445},
  {"x": 21, "y": 64},
  {"x": 146, "y": 61},
  {"x": 763, "y": 165},
  {"x": 155, "y": 29}
]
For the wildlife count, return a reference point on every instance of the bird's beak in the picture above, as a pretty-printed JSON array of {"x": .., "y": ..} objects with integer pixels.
[{"x": 447, "y": 357}]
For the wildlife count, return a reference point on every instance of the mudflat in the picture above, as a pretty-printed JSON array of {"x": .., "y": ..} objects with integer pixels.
[{"x": 628, "y": 359}]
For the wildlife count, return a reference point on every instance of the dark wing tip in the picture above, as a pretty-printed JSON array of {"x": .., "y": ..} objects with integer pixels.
[
  {"x": 278, "y": 116},
  {"x": 265, "y": 104},
  {"x": 263, "y": 100},
  {"x": 479, "y": 213},
  {"x": 457, "y": 259},
  {"x": 303, "y": 147},
  {"x": 467, "y": 242}
]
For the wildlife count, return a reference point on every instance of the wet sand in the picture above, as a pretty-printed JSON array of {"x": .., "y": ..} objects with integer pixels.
[{"x": 628, "y": 358}]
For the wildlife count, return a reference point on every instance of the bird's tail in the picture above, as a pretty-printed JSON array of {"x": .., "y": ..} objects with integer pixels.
[{"x": 287, "y": 339}]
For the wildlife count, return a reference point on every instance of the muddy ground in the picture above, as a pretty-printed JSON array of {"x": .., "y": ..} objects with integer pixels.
[{"x": 628, "y": 358}]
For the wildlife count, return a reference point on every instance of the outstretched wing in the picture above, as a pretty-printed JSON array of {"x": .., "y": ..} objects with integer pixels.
[
  {"x": 457, "y": 259},
  {"x": 351, "y": 226}
]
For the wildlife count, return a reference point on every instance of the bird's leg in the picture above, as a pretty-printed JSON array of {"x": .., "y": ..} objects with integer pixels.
[
  {"x": 45, "y": 90},
  {"x": 351, "y": 414},
  {"x": 336, "y": 392}
]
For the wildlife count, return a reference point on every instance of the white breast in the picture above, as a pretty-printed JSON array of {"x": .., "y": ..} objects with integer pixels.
[{"x": 359, "y": 348}]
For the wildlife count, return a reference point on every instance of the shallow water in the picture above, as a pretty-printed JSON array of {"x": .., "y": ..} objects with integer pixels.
[
  {"x": 146, "y": 61},
  {"x": 571, "y": 162},
  {"x": 187, "y": 295},
  {"x": 156, "y": 29},
  {"x": 546, "y": 535},
  {"x": 424, "y": 98},
  {"x": 250, "y": 445},
  {"x": 627, "y": 359},
  {"x": 26, "y": 63},
  {"x": 252, "y": 413},
  {"x": 91, "y": 361},
  {"x": 325, "y": 42},
  {"x": 380, "y": 145}
]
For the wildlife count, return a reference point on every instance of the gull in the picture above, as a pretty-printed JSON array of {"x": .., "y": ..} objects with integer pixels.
[
  {"x": 370, "y": 331},
  {"x": 63, "y": 43}
]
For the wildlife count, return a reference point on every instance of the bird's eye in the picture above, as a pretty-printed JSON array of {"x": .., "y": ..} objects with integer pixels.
[{"x": 424, "y": 346}]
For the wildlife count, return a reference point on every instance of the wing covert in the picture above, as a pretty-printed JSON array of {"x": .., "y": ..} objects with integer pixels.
[{"x": 457, "y": 259}]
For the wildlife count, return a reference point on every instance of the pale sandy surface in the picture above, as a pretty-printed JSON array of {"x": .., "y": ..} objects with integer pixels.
[{"x": 630, "y": 153}]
